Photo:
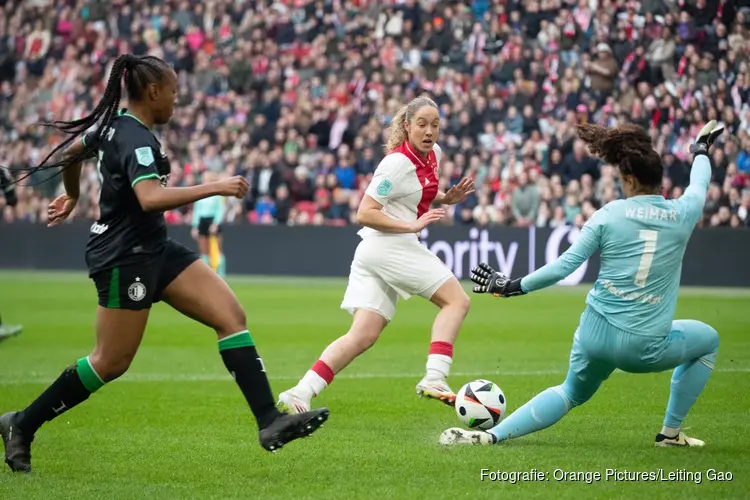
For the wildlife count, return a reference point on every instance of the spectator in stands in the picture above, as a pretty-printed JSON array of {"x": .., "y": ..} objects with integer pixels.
[
  {"x": 297, "y": 95},
  {"x": 602, "y": 71},
  {"x": 525, "y": 201}
]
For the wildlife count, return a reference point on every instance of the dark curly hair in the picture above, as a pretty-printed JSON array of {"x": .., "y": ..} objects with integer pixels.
[{"x": 629, "y": 148}]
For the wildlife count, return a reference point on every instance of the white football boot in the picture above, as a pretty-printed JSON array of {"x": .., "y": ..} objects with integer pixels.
[
  {"x": 291, "y": 401},
  {"x": 456, "y": 435},
  {"x": 681, "y": 439},
  {"x": 436, "y": 389}
]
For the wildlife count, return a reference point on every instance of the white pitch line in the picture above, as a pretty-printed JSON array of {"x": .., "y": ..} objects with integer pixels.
[{"x": 212, "y": 377}]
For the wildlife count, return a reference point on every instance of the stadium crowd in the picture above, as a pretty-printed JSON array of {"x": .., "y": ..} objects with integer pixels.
[{"x": 296, "y": 95}]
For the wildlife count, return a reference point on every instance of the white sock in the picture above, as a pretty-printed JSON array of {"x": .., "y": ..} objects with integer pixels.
[
  {"x": 438, "y": 366},
  {"x": 311, "y": 385},
  {"x": 670, "y": 432}
]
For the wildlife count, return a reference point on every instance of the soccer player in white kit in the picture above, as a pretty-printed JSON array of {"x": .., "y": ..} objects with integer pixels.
[{"x": 390, "y": 262}]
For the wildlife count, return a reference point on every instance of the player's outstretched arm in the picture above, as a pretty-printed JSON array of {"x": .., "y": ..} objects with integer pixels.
[
  {"x": 700, "y": 173},
  {"x": 563, "y": 266},
  {"x": 154, "y": 198},
  {"x": 490, "y": 281},
  {"x": 370, "y": 214}
]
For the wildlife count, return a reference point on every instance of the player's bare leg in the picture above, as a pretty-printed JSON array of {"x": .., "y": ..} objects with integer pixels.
[
  {"x": 454, "y": 306},
  {"x": 118, "y": 336},
  {"x": 201, "y": 294},
  {"x": 364, "y": 332}
]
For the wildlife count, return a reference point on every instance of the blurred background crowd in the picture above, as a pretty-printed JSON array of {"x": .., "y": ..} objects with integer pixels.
[{"x": 296, "y": 95}]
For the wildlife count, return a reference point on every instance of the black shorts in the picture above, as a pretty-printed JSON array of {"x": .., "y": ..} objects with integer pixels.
[
  {"x": 138, "y": 286},
  {"x": 204, "y": 224}
]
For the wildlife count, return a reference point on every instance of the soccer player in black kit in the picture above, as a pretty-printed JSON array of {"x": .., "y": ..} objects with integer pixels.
[{"x": 134, "y": 264}]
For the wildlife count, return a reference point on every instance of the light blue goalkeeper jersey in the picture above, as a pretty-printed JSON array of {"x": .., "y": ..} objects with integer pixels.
[
  {"x": 209, "y": 208},
  {"x": 642, "y": 241}
]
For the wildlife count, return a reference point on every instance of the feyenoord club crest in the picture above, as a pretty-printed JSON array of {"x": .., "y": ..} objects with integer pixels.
[{"x": 137, "y": 291}]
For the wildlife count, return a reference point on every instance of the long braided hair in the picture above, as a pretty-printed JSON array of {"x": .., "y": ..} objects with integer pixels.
[{"x": 139, "y": 71}]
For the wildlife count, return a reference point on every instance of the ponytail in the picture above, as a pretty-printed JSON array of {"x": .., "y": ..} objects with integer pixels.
[
  {"x": 138, "y": 72},
  {"x": 397, "y": 134}
]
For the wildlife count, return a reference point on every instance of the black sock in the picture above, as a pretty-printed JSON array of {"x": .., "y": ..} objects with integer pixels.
[
  {"x": 242, "y": 360},
  {"x": 72, "y": 388}
]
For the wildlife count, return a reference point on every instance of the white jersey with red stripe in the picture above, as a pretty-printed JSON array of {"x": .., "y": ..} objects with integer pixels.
[
  {"x": 406, "y": 184},
  {"x": 396, "y": 266}
]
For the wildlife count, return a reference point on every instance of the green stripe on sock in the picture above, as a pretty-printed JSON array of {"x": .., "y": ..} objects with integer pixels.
[
  {"x": 241, "y": 339},
  {"x": 91, "y": 380},
  {"x": 114, "y": 289}
]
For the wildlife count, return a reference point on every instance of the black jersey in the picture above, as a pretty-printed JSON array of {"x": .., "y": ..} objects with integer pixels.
[{"x": 127, "y": 153}]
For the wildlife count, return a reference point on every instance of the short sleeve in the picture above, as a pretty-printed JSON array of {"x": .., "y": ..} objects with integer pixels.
[
  {"x": 89, "y": 142},
  {"x": 388, "y": 181},
  {"x": 139, "y": 162}
]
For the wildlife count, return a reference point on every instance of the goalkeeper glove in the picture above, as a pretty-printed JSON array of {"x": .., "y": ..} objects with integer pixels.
[
  {"x": 490, "y": 281},
  {"x": 706, "y": 137}
]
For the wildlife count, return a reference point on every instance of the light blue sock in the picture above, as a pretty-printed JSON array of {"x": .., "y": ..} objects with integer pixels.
[
  {"x": 543, "y": 410},
  {"x": 221, "y": 269},
  {"x": 205, "y": 258},
  {"x": 688, "y": 380}
]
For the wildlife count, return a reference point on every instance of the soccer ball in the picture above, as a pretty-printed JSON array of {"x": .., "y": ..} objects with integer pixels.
[{"x": 480, "y": 404}]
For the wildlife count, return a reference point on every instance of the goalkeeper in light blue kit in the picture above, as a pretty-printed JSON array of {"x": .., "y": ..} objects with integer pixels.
[
  {"x": 627, "y": 323},
  {"x": 208, "y": 214}
]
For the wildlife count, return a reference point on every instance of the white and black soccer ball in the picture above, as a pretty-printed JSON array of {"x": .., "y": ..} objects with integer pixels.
[{"x": 480, "y": 404}]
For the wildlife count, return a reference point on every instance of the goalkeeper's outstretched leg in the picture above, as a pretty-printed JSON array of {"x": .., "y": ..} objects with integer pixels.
[
  {"x": 585, "y": 376},
  {"x": 598, "y": 349}
]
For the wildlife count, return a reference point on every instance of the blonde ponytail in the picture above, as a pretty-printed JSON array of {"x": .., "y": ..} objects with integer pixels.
[{"x": 397, "y": 132}]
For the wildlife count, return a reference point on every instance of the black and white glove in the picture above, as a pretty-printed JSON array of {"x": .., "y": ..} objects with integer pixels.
[
  {"x": 706, "y": 137},
  {"x": 490, "y": 281}
]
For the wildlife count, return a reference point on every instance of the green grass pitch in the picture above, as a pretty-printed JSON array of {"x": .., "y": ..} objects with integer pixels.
[{"x": 177, "y": 427}]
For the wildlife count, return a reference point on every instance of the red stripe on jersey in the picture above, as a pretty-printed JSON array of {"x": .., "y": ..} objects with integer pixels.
[
  {"x": 410, "y": 153},
  {"x": 426, "y": 174}
]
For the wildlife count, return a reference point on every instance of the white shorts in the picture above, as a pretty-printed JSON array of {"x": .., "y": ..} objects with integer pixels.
[{"x": 388, "y": 267}]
